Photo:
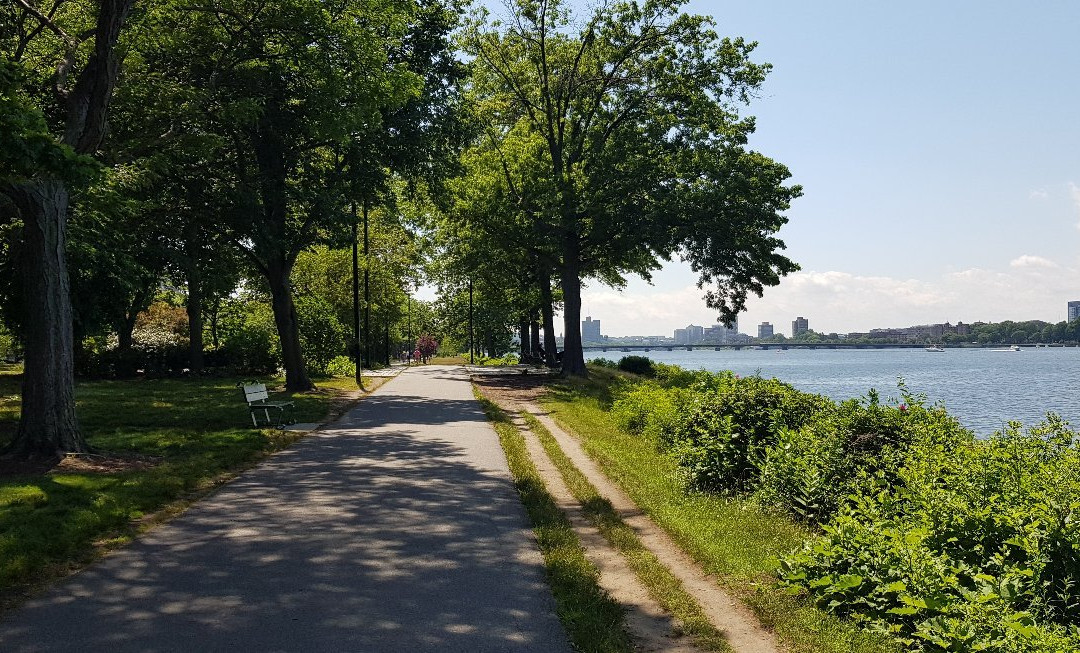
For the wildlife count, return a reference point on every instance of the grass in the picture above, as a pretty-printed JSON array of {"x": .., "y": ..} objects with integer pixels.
[
  {"x": 736, "y": 540},
  {"x": 662, "y": 585},
  {"x": 199, "y": 431},
  {"x": 592, "y": 619}
]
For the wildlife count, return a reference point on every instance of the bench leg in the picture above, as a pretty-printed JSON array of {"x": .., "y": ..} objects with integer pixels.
[{"x": 254, "y": 421}]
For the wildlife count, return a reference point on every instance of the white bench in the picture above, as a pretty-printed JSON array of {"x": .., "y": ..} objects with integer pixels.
[{"x": 258, "y": 400}]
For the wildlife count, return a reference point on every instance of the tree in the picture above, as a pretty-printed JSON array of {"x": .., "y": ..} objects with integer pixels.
[
  {"x": 76, "y": 64},
  {"x": 644, "y": 146}
]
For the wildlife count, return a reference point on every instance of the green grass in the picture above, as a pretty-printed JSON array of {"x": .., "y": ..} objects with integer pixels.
[
  {"x": 664, "y": 587},
  {"x": 592, "y": 619},
  {"x": 199, "y": 430},
  {"x": 736, "y": 540}
]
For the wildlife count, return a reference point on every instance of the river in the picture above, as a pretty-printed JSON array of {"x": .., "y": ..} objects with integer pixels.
[{"x": 982, "y": 387}]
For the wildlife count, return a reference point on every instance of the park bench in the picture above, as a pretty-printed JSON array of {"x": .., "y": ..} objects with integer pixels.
[{"x": 258, "y": 400}]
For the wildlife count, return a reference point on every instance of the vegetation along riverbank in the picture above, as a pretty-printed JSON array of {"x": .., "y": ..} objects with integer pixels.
[{"x": 891, "y": 516}]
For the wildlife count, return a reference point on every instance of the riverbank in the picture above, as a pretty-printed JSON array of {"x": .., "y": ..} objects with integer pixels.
[{"x": 911, "y": 525}]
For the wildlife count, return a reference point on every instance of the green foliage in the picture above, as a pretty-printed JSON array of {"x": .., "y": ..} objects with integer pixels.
[
  {"x": 342, "y": 366},
  {"x": 929, "y": 535},
  {"x": 249, "y": 339},
  {"x": 641, "y": 365},
  {"x": 604, "y": 362},
  {"x": 723, "y": 441},
  {"x": 962, "y": 545},
  {"x": 322, "y": 335}
]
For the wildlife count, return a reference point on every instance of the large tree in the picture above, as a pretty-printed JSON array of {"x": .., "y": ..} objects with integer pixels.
[
  {"x": 60, "y": 65},
  {"x": 638, "y": 109},
  {"x": 311, "y": 101}
]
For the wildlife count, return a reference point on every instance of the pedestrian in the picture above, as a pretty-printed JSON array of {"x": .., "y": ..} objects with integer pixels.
[{"x": 416, "y": 355}]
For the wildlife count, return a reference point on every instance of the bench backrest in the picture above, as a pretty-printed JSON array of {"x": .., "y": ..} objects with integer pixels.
[{"x": 255, "y": 392}]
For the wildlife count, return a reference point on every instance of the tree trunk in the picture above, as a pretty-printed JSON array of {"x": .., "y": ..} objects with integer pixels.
[
  {"x": 48, "y": 427},
  {"x": 573, "y": 360},
  {"x": 547, "y": 310},
  {"x": 489, "y": 343},
  {"x": 523, "y": 335},
  {"x": 194, "y": 306},
  {"x": 288, "y": 327},
  {"x": 196, "y": 362},
  {"x": 534, "y": 343}
]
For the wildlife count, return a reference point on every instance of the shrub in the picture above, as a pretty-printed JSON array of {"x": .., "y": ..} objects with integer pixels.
[
  {"x": 636, "y": 365},
  {"x": 322, "y": 336},
  {"x": 963, "y": 545},
  {"x": 604, "y": 362},
  {"x": 249, "y": 339},
  {"x": 341, "y": 366},
  {"x": 723, "y": 441}
]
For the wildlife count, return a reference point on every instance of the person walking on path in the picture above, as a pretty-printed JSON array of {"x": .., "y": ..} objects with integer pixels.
[{"x": 397, "y": 528}]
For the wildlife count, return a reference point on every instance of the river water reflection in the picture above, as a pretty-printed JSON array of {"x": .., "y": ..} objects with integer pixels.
[{"x": 984, "y": 388}]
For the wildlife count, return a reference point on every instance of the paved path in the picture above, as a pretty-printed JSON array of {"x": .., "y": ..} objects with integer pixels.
[{"x": 397, "y": 529}]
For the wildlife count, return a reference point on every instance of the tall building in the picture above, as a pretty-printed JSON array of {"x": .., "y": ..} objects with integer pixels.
[
  {"x": 682, "y": 337},
  {"x": 590, "y": 330},
  {"x": 764, "y": 330},
  {"x": 800, "y": 325},
  {"x": 1074, "y": 310},
  {"x": 694, "y": 333}
]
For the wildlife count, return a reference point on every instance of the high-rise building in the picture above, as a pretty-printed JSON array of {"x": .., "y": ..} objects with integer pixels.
[
  {"x": 764, "y": 330},
  {"x": 694, "y": 333},
  {"x": 799, "y": 326},
  {"x": 590, "y": 330},
  {"x": 682, "y": 337},
  {"x": 1074, "y": 310}
]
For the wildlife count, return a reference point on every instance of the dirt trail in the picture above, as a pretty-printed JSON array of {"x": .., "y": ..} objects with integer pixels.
[
  {"x": 653, "y": 630},
  {"x": 740, "y": 626}
]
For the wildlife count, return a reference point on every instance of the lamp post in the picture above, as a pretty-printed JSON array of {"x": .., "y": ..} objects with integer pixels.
[
  {"x": 471, "y": 347},
  {"x": 357, "y": 358}
]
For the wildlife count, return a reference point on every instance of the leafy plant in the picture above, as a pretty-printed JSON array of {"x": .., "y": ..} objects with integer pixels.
[{"x": 636, "y": 365}]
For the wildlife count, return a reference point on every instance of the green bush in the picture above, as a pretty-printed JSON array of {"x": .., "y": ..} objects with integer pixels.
[
  {"x": 322, "y": 336},
  {"x": 604, "y": 362},
  {"x": 965, "y": 545},
  {"x": 249, "y": 340},
  {"x": 341, "y": 366},
  {"x": 723, "y": 441},
  {"x": 636, "y": 365}
]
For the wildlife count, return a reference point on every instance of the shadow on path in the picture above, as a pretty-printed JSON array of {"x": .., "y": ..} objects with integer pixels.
[{"x": 395, "y": 530}]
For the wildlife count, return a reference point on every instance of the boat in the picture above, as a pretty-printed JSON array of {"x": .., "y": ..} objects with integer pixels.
[
  {"x": 935, "y": 348},
  {"x": 1009, "y": 348}
]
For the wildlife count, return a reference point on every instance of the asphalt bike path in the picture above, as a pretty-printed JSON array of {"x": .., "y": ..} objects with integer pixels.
[{"x": 397, "y": 528}]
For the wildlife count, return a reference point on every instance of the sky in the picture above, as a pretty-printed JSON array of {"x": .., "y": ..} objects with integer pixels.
[{"x": 938, "y": 147}]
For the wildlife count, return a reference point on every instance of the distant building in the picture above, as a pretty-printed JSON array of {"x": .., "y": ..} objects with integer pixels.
[
  {"x": 1074, "y": 311},
  {"x": 799, "y": 326},
  {"x": 590, "y": 330},
  {"x": 764, "y": 330},
  {"x": 694, "y": 333},
  {"x": 682, "y": 337}
]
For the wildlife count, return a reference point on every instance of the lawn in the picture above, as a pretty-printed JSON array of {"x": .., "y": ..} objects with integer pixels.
[
  {"x": 734, "y": 539},
  {"x": 185, "y": 436}
]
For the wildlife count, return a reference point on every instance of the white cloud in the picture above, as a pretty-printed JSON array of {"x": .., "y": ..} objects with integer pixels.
[
  {"x": 1029, "y": 287},
  {"x": 1029, "y": 261},
  {"x": 1039, "y": 194}
]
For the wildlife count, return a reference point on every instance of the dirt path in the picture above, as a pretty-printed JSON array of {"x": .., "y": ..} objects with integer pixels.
[
  {"x": 653, "y": 630},
  {"x": 739, "y": 625}
]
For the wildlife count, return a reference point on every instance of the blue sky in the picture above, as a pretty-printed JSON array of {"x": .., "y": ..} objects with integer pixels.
[{"x": 938, "y": 144}]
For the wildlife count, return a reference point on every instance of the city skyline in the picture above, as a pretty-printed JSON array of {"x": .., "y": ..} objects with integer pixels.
[{"x": 927, "y": 198}]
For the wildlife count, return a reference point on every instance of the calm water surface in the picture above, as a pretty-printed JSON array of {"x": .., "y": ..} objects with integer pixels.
[{"x": 984, "y": 388}]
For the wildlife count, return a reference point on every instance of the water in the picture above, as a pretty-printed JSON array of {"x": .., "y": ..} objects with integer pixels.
[{"x": 983, "y": 388}]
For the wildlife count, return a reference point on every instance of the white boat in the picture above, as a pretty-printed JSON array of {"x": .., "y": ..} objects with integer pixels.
[
  {"x": 935, "y": 348},
  {"x": 1009, "y": 348}
]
